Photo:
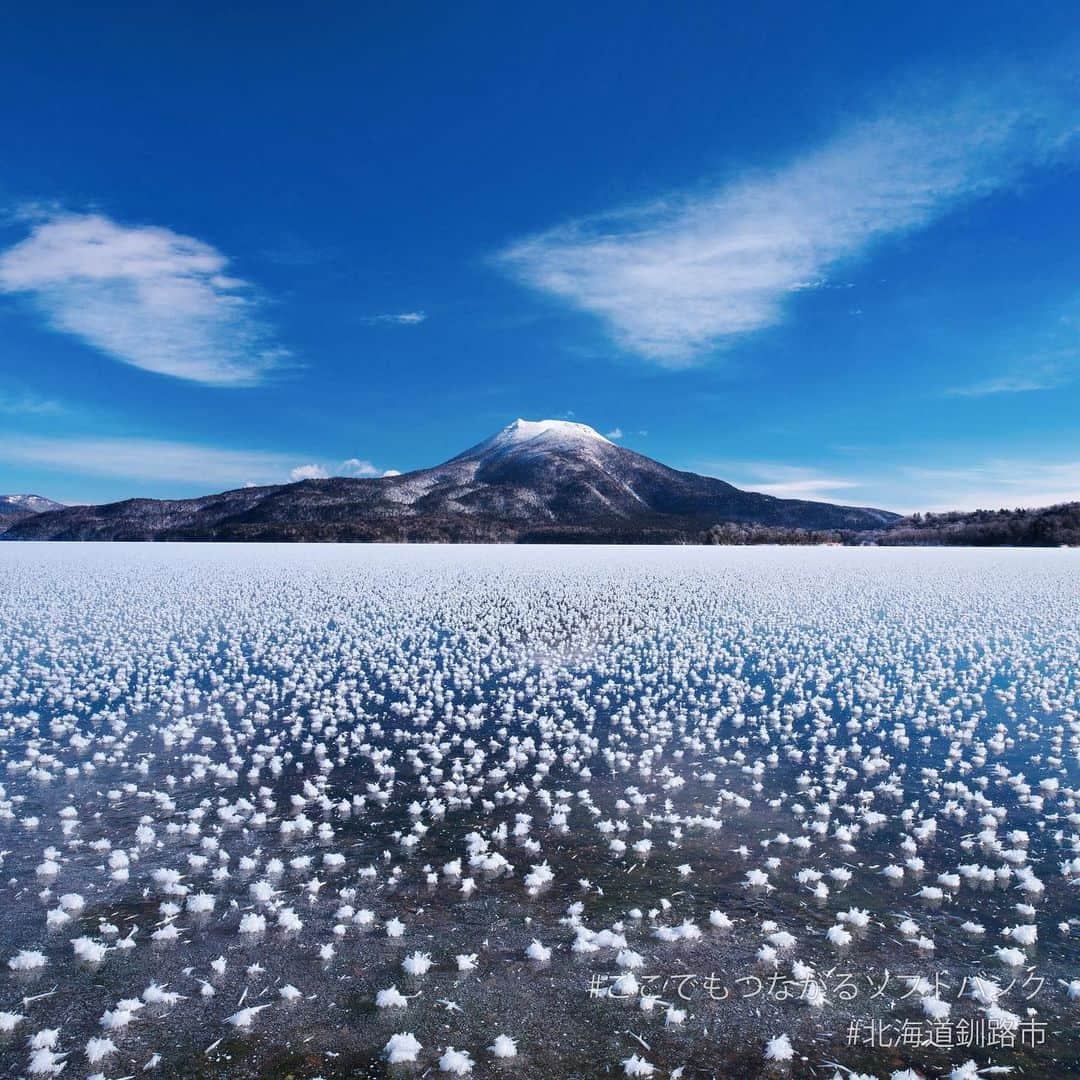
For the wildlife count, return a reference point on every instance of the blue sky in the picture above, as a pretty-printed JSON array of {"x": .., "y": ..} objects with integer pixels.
[{"x": 814, "y": 250}]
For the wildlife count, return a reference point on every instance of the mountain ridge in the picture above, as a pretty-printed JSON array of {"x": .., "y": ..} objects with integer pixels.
[
  {"x": 16, "y": 507},
  {"x": 532, "y": 480}
]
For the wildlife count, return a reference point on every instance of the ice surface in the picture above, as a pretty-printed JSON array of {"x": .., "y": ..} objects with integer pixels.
[{"x": 262, "y": 808}]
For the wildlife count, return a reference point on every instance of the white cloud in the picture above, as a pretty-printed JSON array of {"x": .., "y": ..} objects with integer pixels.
[
  {"x": 149, "y": 460},
  {"x": 402, "y": 318},
  {"x": 985, "y": 485},
  {"x": 351, "y": 467},
  {"x": 614, "y": 434},
  {"x": 784, "y": 481},
  {"x": 1010, "y": 384},
  {"x": 689, "y": 273},
  {"x": 19, "y": 404},
  {"x": 358, "y": 467},
  {"x": 1036, "y": 373},
  {"x": 817, "y": 487},
  {"x": 308, "y": 472},
  {"x": 993, "y": 484},
  {"x": 144, "y": 295}
]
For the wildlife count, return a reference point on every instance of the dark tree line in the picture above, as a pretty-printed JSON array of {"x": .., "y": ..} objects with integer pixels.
[
  {"x": 1049, "y": 526},
  {"x": 736, "y": 532}
]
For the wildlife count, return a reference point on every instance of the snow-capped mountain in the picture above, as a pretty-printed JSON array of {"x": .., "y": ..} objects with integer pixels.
[
  {"x": 533, "y": 480},
  {"x": 532, "y": 437},
  {"x": 553, "y": 472}
]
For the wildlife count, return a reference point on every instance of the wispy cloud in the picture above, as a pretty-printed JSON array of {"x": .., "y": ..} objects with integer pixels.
[
  {"x": 145, "y": 295},
  {"x": 985, "y": 485},
  {"x": 992, "y": 484},
  {"x": 157, "y": 460},
  {"x": 402, "y": 318},
  {"x": 691, "y": 272},
  {"x": 783, "y": 481},
  {"x": 143, "y": 460},
  {"x": 1011, "y": 384},
  {"x": 1046, "y": 364},
  {"x": 614, "y": 434},
  {"x": 14, "y": 403},
  {"x": 811, "y": 487}
]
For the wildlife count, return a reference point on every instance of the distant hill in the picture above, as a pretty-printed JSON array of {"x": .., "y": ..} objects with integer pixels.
[
  {"x": 534, "y": 481},
  {"x": 1051, "y": 526},
  {"x": 1048, "y": 526},
  {"x": 15, "y": 508}
]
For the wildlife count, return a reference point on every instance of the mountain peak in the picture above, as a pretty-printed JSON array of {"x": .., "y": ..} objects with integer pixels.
[
  {"x": 531, "y": 438},
  {"x": 565, "y": 432},
  {"x": 530, "y": 429}
]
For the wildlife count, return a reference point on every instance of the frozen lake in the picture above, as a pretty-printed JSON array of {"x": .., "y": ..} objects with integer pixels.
[{"x": 321, "y": 811}]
